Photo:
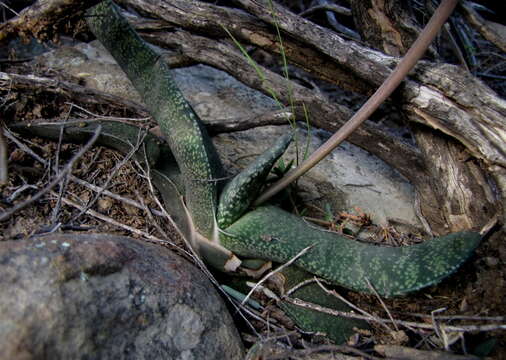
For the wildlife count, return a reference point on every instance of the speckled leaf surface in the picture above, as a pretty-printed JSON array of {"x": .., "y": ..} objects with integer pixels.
[
  {"x": 271, "y": 233},
  {"x": 338, "y": 329},
  {"x": 150, "y": 75},
  {"x": 119, "y": 136},
  {"x": 242, "y": 190}
]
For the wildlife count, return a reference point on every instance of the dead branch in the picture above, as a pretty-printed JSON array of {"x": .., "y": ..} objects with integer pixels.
[
  {"x": 476, "y": 112},
  {"x": 83, "y": 95},
  {"x": 405, "y": 158},
  {"x": 41, "y": 18},
  {"x": 28, "y": 83},
  {"x": 493, "y": 32},
  {"x": 205, "y": 18},
  {"x": 323, "y": 114},
  {"x": 409, "y": 60},
  {"x": 444, "y": 197}
]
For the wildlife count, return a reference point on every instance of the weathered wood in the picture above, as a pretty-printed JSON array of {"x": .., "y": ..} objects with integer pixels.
[
  {"x": 492, "y": 31},
  {"x": 454, "y": 195},
  {"x": 42, "y": 18},
  {"x": 214, "y": 21},
  {"x": 386, "y": 25},
  {"x": 487, "y": 110},
  {"x": 445, "y": 208}
]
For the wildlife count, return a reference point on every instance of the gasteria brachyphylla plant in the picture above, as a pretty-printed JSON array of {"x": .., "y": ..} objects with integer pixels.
[{"x": 221, "y": 221}]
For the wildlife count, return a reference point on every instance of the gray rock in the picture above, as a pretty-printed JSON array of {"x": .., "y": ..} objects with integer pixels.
[
  {"x": 93, "y": 65},
  {"x": 96, "y": 296},
  {"x": 348, "y": 178}
]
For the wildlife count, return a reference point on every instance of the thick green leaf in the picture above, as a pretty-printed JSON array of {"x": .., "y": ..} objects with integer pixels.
[
  {"x": 271, "y": 233},
  {"x": 188, "y": 139},
  {"x": 242, "y": 190}
]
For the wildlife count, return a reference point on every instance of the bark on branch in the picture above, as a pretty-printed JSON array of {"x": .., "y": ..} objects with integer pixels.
[{"x": 40, "y": 19}]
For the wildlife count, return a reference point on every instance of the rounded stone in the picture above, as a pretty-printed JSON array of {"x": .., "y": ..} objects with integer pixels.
[{"x": 96, "y": 296}]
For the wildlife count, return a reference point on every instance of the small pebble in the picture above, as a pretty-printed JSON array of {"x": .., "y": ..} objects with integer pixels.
[
  {"x": 104, "y": 204},
  {"x": 491, "y": 261}
]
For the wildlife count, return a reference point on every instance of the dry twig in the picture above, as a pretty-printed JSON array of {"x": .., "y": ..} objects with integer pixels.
[
  {"x": 278, "y": 269},
  {"x": 8, "y": 213},
  {"x": 382, "y": 303},
  {"x": 111, "y": 221},
  {"x": 4, "y": 175},
  {"x": 115, "y": 196},
  {"x": 113, "y": 172},
  {"x": 305, "y": 353},
  {"x": 350, "y": 304},
  {"x": 408, "y": 324}
]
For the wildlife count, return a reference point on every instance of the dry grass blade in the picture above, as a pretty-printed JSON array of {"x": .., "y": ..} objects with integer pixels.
[{"x": 4, "y": 175}]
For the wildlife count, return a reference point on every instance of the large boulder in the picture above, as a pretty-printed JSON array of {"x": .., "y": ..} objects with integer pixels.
[{"x": 96, "y": 296}]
